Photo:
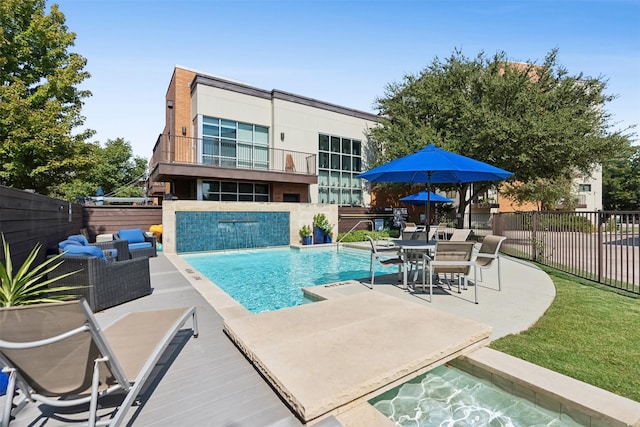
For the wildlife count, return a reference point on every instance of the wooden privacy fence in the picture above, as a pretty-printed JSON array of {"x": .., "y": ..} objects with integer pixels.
[
  {"x": 27, "y": 218},
  {"x": 602, "y": 246}
]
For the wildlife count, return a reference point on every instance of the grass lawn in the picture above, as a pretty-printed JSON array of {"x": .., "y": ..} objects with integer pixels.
[{"x": 589, "y": 333}]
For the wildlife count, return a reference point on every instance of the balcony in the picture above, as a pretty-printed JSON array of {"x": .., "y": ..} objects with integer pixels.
[
  {"x": 484, "y": 203},
  {"x": 183, "y": 157}
]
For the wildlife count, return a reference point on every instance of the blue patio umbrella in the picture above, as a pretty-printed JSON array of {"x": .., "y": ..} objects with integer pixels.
[
  {"x": 422, "y": 198},
  {"x": 434, "y": 165}
]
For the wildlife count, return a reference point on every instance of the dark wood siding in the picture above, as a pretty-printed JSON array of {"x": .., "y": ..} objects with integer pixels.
[
  {"x": 110, "y": 219},
  {"x": 27, "y": 219}
]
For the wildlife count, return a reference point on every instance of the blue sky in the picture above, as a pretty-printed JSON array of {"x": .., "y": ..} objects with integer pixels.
[{"x": 343, "y": 52}]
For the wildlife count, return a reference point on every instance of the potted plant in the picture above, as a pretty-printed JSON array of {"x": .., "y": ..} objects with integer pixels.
[
  {"x": 328, "y": 233},
  {"x": 25, "y": 285},
  {"x": 306, "y": 234},
  {"x": 320, "y": 224}
]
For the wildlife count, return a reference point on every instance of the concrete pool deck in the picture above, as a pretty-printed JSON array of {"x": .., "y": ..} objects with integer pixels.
[{"x": 327, "y": 357}]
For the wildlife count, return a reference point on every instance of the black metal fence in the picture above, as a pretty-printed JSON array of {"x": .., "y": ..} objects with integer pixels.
[{"x": 602, "y": 246}]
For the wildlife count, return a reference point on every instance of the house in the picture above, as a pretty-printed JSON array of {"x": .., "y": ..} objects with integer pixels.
[{"x": 225, "y": 140}]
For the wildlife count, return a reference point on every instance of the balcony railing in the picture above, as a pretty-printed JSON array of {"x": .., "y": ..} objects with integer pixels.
[{"x": 216, "y": 153}]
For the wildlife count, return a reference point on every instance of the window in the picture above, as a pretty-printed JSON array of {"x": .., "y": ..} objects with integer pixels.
[
  {"x": 229, "y": 191},
  {"x": 339, "y": 164},
  {"x": 234, "y": 144},
  {"x": 584, "y": 188}
]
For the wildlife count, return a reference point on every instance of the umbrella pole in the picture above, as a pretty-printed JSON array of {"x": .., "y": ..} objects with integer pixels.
[{"x": 427, "y": 220}]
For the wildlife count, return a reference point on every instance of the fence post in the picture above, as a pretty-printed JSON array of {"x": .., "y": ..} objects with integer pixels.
[
  {"x": 534, "y": 242},
  {"x": 599, "y": 243}
]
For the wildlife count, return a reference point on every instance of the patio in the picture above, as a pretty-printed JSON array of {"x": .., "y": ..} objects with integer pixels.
[{"x": 207, "y": 381}]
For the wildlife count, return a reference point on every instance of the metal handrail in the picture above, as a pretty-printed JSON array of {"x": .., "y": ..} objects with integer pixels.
[{"x": 373, "y": 227}]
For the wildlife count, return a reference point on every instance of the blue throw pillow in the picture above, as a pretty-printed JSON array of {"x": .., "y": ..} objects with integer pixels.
[
  {"x": 62, "y": 245},
  {"x": 132, "y": 235},
  {"x": 73, "y": 250},
  {"x": 79, "y": 238}
]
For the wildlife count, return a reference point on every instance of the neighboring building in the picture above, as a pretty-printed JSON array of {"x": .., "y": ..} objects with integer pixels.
[
  {"x": 228, "y": 141},
  {"x": 225, "y": 140}
]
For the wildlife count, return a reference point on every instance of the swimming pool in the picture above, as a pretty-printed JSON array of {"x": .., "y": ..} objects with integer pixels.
[
  {"x": 271, "y": 279},
  {"x": 447, "y": 396}
]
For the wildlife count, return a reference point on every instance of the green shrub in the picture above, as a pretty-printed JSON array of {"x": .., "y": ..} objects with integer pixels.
[{"x": 359, "y": 235}]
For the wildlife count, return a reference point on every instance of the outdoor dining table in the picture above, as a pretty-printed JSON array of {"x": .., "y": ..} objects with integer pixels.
[{"x": 406, "y": 247}]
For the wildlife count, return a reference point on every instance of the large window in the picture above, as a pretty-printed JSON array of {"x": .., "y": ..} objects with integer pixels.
[
  {"x": 340, "y": 161},
  {"x": 234, "y": 144},
  {"x": 230, "y": 191}
]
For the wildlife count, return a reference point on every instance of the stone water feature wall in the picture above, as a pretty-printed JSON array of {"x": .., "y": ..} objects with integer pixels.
[{"x": 193, "y": 226}]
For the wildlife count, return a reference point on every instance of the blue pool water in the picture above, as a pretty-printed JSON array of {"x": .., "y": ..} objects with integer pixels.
[
  {"x": 271, "y": 279},
  {"x": 450, "y": 397}
]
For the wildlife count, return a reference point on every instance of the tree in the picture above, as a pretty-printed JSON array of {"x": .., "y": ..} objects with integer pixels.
[
  {"x": 534, "y": 120},
  {"x": 544, "y": 192},
  {"x": 114, "y": 168},
  {"x": 40, "y": 100},
  {"x": 621, "y": 180}
]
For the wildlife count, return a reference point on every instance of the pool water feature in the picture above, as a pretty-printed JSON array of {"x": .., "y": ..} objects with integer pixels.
[
  {"x": 447, "y": 396},
  {"x": 271, "y": 279}
]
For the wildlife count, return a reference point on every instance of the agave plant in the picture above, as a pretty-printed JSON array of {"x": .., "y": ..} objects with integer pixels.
[{"x": 25, "y": 286}]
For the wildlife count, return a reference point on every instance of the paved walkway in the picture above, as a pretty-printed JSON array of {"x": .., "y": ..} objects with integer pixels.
[{"x": 208, "y": 382}]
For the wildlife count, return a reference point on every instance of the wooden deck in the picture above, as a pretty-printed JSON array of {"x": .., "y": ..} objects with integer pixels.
[{"x": 204, "y": 381}]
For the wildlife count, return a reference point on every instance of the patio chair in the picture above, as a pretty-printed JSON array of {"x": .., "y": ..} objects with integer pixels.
[
  {"x": 381, "y": 256},
  {"x": 56, "y": 354},
  {"x": 139, "y": 243},
  {"x": 460, "y": 235},
  {"x": 441, "y": 231},
  {"x": 408, "y": 230},
  {"x": 450, "y": 258},
  {"x": 489, "y": 252},
  {"x": 104, "y": 283}
]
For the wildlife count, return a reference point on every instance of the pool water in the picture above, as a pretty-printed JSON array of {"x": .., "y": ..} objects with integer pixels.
[
  {"x": 448, "y": 397},
  {"x": 271, "y": 279}
]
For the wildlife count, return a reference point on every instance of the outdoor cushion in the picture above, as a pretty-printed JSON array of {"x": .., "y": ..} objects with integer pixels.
[
  {"x": 62, "y": 245},
  {"x": 132, "y": 235},
  {"x": 79, "y": 238},
  {"x": 141, "y": 245},
  {"x": 77, "y": 250}
]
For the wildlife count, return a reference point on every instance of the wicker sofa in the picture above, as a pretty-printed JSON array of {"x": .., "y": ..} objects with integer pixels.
[{"x": 106, "y": 283}]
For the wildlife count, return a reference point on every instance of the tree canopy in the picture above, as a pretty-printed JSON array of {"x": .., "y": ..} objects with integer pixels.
[
  {"x": 40, "y": 99},
  {"x": 621, "y": 180},
  {"x": 532, "y": 119},
  {"x": 112, "y": 167}
]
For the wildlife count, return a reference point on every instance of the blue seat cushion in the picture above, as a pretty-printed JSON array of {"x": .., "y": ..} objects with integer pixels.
[
  {"x": 62, "y": 245},
  {"x": 132, "y": 235},
  {"x": 142, "y": 245},
  {"x": 79, "y": 238},
  {"x": 77, "y": 250},
  {"x": 110, "y": 253}
]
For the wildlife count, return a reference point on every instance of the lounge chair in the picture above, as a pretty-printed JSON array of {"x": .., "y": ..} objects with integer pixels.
[
  {"x": 489, "y": 252},
  {"x": 450, "y": 258},
  {"x": 460, "y": 235},
  {"x": 385, "y": 256},
  {"x": 58, "y": 355},
  {"x": 139, "y": 243}
]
